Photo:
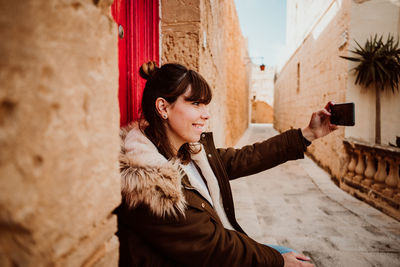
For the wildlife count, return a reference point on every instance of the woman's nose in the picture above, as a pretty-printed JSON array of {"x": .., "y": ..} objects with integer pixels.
[{"x": 205, "y": 114}]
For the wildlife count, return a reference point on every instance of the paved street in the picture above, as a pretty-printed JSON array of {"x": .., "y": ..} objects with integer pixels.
[{"x": 297, "y": 205}]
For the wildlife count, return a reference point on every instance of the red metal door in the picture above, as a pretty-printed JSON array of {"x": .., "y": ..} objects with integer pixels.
[{"x": 138, "y": 22}]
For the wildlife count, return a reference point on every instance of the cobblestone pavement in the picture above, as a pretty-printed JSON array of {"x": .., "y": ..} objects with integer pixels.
[{"x": 298, "y": 206}]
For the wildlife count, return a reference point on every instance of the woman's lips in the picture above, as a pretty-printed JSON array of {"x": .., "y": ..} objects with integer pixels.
[{"x": 198, "y": 126}]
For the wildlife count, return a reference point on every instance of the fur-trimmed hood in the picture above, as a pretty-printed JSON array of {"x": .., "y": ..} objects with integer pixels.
[{"x": 148, "y": 177}]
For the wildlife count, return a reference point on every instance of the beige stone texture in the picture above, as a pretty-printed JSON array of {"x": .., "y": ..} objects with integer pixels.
[
  {"x": 313, "y": 76},
  {"x": 261, "y": 112},
  {"x": 180, "y": 23},
  {"x": 59, "y": 123},
  {"x": 237, "y": 76},
  {"x": 59, "y": 118},
  {"x": 206, "y": 36},
  {"x": 212, "y": 65},
  {"x": 262, "y": 84}
]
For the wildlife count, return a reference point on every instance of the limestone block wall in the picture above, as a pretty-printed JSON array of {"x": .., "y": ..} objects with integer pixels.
[
  {"x": 237, "y": 76},
  {"x": 205, "y": 35},
  {"x": 303, "y": 14},
  {"x": 212, "y": 65},
  {"x": 180, "y": 32},
  {"x": 261, "y": 112},
  {"x": 59, "y": 123},
  {"x": 311, "y": 77}
]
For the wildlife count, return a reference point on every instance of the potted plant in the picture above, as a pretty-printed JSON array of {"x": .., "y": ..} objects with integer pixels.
[{"x": 378, "y": 65}]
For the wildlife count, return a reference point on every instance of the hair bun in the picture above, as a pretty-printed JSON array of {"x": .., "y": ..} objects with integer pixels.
[{"x": 148, "y": 69}]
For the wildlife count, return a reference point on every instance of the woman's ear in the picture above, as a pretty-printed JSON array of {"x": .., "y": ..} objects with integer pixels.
[{"x": 162, "y": 107}]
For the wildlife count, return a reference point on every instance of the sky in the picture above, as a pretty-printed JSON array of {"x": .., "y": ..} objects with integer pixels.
[{"x": 263, "y": 22}]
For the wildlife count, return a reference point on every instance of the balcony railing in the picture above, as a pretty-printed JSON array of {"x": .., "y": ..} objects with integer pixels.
[{"x": 373, "y": 175}]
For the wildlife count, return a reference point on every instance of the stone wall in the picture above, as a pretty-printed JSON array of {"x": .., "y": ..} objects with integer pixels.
[
  {"x": 262, "y": 94},
  {"x": 236, "y": 76},
  {"x": 59, "y": 143},
  {"x": 206, "y": 36},
  {"x": 211, "y": 65},
  {"x": 302, "y": 14},
  {"x": 261, "y": 112},
  {"x": 180, "y": 32},
  {"x": 59, "y": 118},
  {"x": 262, "y": 84},
  {"x": 311, "y": 77}
]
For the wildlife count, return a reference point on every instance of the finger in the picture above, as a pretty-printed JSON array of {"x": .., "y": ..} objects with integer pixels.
[
  {"x": 329, "y": 105},
  {"x": 325, "y": 112},
  {"x": 301, "y": 256}
]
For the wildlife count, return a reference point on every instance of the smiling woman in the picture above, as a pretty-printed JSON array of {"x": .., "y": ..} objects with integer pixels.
[
  {"x": 177, "y": 207},
  {"x": 186, "y": 119},
  {"x": 174, "y": 105}
]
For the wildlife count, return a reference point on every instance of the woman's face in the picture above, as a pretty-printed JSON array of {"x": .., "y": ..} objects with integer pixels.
[{"x": 186, "y": 120}]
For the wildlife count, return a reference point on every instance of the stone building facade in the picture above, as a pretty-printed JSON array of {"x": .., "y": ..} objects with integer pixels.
[
  {"x": 262, "y": 94},
  {"x": 261, "y": 112},
  {"x": 314, "y": 74},
  {"x": 311, "y": 77},
  {"x": 59, "y": 118},
  {"x": 206, "y": 36}
]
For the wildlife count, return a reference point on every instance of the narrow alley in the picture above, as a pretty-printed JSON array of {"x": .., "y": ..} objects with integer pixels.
[
  {"x": 298, "y": 206},
  {"x": 74, "y": 74}
]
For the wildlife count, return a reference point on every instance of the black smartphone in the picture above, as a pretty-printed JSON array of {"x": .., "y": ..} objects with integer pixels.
[{"x": 343, "y": 114}]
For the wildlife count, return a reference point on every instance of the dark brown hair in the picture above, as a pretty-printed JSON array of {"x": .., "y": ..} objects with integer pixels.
[{"x": 169, "y": 82}]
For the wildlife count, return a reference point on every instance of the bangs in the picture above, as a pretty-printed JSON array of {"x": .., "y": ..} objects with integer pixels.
[{"x": 200, "y": 90}]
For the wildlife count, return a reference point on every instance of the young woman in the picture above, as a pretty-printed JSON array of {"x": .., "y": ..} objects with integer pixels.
[{"x": 177, "y": 207}]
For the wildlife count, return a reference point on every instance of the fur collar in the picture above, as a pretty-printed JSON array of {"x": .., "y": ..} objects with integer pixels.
[{"x": 147, "y": 177}]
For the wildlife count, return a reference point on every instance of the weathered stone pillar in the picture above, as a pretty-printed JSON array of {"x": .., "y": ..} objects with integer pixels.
[
  {"x": 380, "y": 175},
  {"x": 59, "y": 124},
  {"x": 393, "y": 177},
  {"x": 360, "y": 166},
  {"x": 352, "y": 165},
  {"x": 180, "y": 28},
  {"x": 370, "y": 170}
]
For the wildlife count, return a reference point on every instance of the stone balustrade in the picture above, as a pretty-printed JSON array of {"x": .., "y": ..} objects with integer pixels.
[{"x": 373, "y": 175}]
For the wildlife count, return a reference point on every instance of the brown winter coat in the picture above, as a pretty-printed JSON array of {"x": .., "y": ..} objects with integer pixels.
[{"x": 164, "y": 221}]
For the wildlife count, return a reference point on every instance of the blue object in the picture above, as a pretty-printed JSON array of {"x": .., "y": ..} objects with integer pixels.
[{"x": 282, "y": 249}]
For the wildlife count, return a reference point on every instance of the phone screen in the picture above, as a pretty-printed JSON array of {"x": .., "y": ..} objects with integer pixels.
[{"x": 343, "y": 114}]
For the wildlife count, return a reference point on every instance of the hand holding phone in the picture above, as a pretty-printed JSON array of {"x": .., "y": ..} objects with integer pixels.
[
  {"x": 343, "y": 114},
  {"x": 320, "y": 124}
]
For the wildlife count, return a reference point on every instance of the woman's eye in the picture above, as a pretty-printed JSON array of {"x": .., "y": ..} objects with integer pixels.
[{"x": 196, "y": 103}]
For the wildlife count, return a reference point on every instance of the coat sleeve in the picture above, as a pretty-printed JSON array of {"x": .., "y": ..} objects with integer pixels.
[
  {"x": 258, "y": 157},
  {"x": 197, "y": 239}
]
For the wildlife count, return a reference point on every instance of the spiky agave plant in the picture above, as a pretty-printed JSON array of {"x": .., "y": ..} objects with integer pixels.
[{"x": 379, "y": 65}]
